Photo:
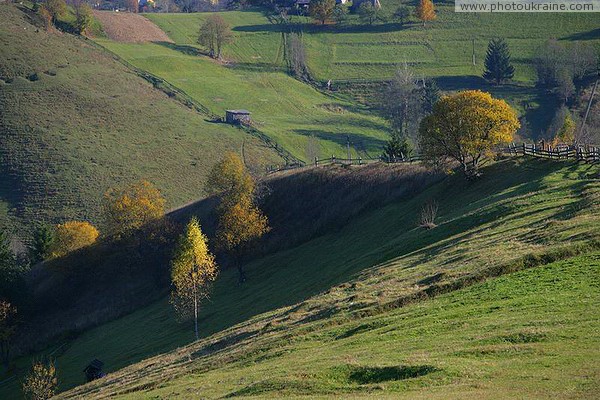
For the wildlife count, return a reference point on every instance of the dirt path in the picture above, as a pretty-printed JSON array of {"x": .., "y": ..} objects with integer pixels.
[{"x": 129, "y": 27}]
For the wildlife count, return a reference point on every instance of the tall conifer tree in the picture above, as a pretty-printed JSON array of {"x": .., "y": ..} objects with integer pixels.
[{"x": 498, "y": 68}]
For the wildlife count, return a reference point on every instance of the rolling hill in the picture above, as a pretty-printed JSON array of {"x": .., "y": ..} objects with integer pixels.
[
  {"x": 348, "y": 296},
  {"x": 290, "y": 112},
  {"x": 374, "y": 52},
  {"x": 523, "y": 213},
  {"x": 75, "y": 122},
  {"x": 359, "y": 57},
  {"x": 530, "y": 334}
]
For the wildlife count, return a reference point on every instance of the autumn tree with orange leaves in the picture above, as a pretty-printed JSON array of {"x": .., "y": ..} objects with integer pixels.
[
  {"x": 133, "y": 207},
  {"x": 71, "y": 236},
  {"x": 465, "y": 127},
  {"x": 425, "y": 11},
  {"x": 241, "y": 222}
]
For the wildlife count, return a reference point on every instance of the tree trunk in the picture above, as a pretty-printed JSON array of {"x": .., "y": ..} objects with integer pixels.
[
  {"x": 240, "y": 268},
  {"x": 196, "y": 313},
  {"x": 4, "y": 350}
]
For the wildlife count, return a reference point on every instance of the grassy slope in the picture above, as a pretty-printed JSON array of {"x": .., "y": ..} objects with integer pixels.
[
  {"x": 87, "y": 124},
  {"x": 372, "y": 53},
  {"x": 285, "y": 109},
  {"x": 529, "y": 208},
  {"x": 445, "y": 47},
  {"x": 358, "y": 51},
  {"x": 532, "y": 334}
]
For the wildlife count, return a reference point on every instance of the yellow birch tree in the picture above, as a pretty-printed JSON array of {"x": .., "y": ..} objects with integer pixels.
[{"x": 193, "y": 269}]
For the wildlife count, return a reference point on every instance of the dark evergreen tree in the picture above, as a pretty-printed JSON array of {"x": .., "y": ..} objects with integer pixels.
[
  {"x": 43, "y": 238},
  {"x": 431, "y": 94},
  {"x": 397, "y": 147},
  {"x": 7, "y": 257},
  {"x": 11, "y": 272},
  {"x": 497, "y": 62}
]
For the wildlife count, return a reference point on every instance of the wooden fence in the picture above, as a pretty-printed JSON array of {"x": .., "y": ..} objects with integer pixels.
[
  {"x": 580, "y": 153},
  {"x": 584, "y": 153},
  {"x": 333, "y": 160}
]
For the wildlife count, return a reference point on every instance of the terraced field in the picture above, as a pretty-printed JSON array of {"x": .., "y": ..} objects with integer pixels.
[
  {"x": 354, "y": 55},
  {"x": 357, "y": 51}
]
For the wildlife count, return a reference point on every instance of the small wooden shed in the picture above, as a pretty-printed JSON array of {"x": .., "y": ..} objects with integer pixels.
[
  {"x": 238, "y": 117},
  {"x": 94, "y": 370}
]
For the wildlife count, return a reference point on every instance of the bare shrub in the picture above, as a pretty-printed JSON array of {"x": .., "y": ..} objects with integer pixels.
[
  {"x": 296, "y": 56},
  {"x": 428, "y": 215}
]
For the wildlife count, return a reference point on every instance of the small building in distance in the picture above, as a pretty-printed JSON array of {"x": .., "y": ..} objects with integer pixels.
[
  {"x": 94, "y": 370},
  {"x": 302, "y": 3},
  {"x": 238, "y": 117}
]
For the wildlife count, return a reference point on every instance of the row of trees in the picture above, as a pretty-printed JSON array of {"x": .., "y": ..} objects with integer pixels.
[
  {"x": 559, "y": 65},
  {"x": 137, "y": 211},
  {"x": 126, "y": 210},
  {"x": 368, "y": 11},
  {"x": 240, "y": 224},
  {"x": 52, "y": 11}
]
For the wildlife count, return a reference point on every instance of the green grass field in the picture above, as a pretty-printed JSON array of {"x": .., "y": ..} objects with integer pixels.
[
  {"x": 532, "y": 334},
  {"x": 356, "y": 53},
  {"x": 285, "y": 109},
  {"x": 518, "y": 208},
  {"x": 75, "y": 122}
]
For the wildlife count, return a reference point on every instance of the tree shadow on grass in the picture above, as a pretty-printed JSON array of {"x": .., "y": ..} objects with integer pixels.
[
  {"x": 183, "y": 48},
  {"x": 594, "y": 34},
  {"x": 364, "y": 375},
  {"x": 315, "y": 28},
  {"x": 256, "y": 67},
  {"x": 342, "y": 138}
]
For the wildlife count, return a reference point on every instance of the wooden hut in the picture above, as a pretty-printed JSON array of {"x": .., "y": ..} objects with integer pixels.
[
  {"x": 238, "y": 117},
  {"x": 94, "y": 370}
]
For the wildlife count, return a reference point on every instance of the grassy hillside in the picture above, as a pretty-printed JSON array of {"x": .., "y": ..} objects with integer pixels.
[
  {"x": 285, "y": 109},
  {"x": 532, "y": 334},
  {"x": 519, "y": 208},
  {"x": 359, "y": 51},
  {"x": 75, "y": 122},
  {"x": 355, "y": 55}
]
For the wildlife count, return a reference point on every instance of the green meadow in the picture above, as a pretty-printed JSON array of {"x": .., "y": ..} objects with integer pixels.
[
  {"x": 355, "y": 54},
  {"x": 519, "y": 209},
  {"x": 288, "y": 111},
  {"x": 532, "y": 334},
  {"x": 76, "y": 122},
  {"x": 358, "y": 51}
]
